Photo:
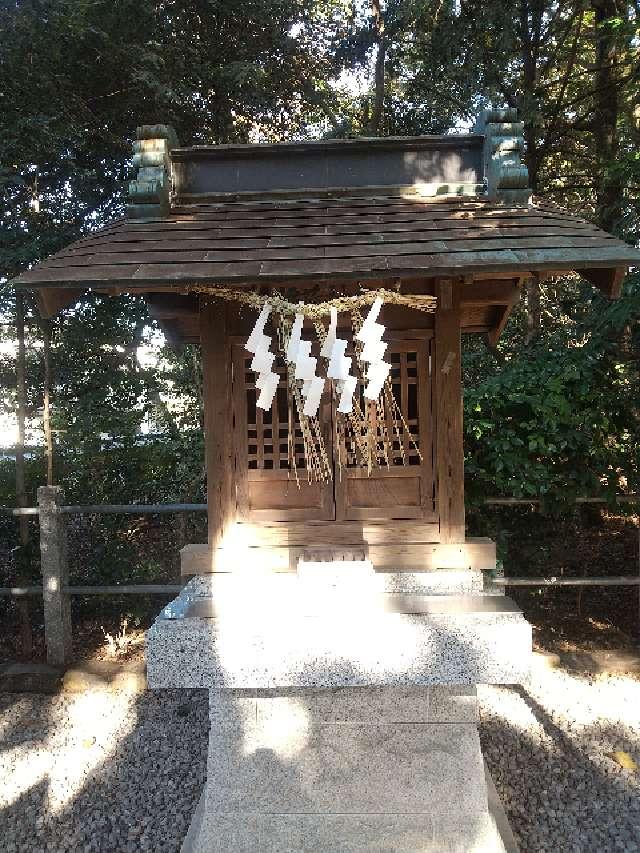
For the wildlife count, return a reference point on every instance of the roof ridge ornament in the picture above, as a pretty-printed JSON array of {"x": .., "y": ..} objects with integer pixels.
[
  {"x": 506, "y": 175},
  {"x": 150, "y": 191}
]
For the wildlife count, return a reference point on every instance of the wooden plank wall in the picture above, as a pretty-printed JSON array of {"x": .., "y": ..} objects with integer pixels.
[
  {"x": 477, "y": 554},
  {"x": 447, "y": 390}
]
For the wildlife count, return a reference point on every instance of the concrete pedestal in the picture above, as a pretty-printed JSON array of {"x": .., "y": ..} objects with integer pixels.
[
  {"x": 343, "y": 717},
  {"x": 344, "y": 770}
]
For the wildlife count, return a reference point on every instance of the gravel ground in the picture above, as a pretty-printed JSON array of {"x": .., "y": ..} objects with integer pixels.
[
  {"x": 117, "y": 771},
  {"x": 549, "y": 746},
  {"x": 105, "y": 771}
]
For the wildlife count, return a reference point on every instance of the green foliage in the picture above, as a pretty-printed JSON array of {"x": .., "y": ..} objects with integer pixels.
[
  {"x": 560, "y": 418},
  {"x": 552, "y": 411},
  {"x": 78, "y": 76}
]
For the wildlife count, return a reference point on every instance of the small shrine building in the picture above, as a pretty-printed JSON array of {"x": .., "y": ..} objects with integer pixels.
[{"x": 443, "y": 226}]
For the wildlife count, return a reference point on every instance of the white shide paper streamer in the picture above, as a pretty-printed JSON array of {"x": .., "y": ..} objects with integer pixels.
[
  {"x": 339, "y": 367},
  {"x": 262, "y": 361},
  {"x": 373, "y": 352}
]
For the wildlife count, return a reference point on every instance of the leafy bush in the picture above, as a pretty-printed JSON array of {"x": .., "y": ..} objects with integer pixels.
[{"x": 561, "y": 418}]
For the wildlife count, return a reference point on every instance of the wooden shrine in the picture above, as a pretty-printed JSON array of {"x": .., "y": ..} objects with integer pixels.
[{"x": 447, "y": 216}]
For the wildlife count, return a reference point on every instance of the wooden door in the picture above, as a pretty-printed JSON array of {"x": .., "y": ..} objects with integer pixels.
[
  {"x": 266, "y": 485},
  {"x": 397, "y": 489}
]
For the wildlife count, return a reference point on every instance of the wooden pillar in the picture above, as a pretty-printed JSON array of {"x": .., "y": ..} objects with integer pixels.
[
  {"x": 218, "y": 425},
  {"x": 55, "y": 575},
  {"x": 448, "y": 409}
]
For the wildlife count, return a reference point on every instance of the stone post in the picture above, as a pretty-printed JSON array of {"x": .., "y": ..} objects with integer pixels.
[{"x": 55, "y": 575}]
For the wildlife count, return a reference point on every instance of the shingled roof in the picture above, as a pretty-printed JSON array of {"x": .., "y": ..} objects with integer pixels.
[
  {"x": 350, "y": 237},
  {"x": 335, "y": 211}
]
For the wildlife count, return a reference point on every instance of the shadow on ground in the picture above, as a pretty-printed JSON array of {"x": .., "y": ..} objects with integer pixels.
[
  {"x": 558, "y": 782},
  {"x": 101, "y": 771},
  {"x": 113, "y": 771}
]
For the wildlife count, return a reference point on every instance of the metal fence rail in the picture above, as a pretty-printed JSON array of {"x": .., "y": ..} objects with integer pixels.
[
  {"x": 97, "y": 589},
  {"x": 171, "y": 588},
  {"x": 158, "y": 509},
  {"x": 108, "y": 509},
  {"x": 621, "y": 580},
  {"x": 56, "y": 590}
]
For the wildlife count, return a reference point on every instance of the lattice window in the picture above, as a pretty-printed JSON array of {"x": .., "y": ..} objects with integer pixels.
[
  {"x": 268, "y": 432},
  {"x": 396, "y": 424}
]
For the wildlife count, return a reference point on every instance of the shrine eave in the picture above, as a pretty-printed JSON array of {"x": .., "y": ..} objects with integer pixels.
[
  {"x": 335, "y": 212},
  {"x": 351, "y": 238}
]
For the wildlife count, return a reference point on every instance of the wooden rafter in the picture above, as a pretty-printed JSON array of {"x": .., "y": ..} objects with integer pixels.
[{"x": 607, "y": 279}]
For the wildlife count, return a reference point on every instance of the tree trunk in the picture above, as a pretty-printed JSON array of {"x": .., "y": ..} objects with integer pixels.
[
  {"x": 46, "y": 398},
  {"x": 21, "y": 490},
  {"x": 609, "y": 184},
  {"x": 531, "y": 14},
  {"x": 531, "y": 17},
  {"x": 377, "y": 113}
]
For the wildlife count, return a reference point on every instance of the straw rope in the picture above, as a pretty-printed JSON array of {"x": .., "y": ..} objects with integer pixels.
[
  {"x": 371, "y": 433},
  {"x": 318, "y": 468},
  {"x": 315, "y": 310}
]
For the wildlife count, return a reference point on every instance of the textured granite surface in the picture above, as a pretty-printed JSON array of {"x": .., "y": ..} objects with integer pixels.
[
  {"x": 339, "y": 651},
  {"x": 286, "y": 762},
  {"x": 264, "y": 637},
  {"x": 348, "y": 833},
  {"x": 347, "y": 705},
  {"x": 337, "y": 725},
  {"x": 437, "y": 582},
  {"x": 440, "y": 582},
  {"x": 361, "y": 770}
]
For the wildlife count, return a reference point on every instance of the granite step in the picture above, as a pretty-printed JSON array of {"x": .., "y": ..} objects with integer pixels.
[{"x": 278, "y": 632}]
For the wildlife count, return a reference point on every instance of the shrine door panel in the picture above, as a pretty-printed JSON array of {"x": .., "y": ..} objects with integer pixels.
[
  {"x": 266, "y": 486},
  {"x": 403, "y": 484}
]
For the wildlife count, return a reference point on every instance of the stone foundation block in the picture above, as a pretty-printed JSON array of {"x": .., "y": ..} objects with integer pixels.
[
  {"x": 286, "y": 635},
  {"x": 339, "y": 833},
  {"x": 347, "y": 770}
]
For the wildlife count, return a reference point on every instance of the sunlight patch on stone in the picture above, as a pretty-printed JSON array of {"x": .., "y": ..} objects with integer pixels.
[{"x": 285, "y": 731}]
